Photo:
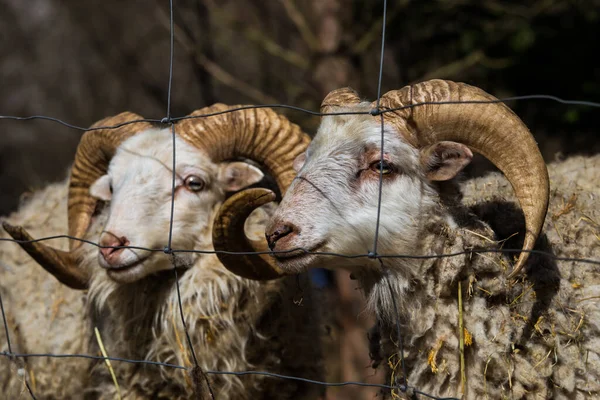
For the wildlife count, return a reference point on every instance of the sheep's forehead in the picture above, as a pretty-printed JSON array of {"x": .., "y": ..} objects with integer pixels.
[
  {"x": 352, "y": 135},
  {"x": 151, "y": 153}
]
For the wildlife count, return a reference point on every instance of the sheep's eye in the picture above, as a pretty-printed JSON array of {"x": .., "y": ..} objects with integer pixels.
[
  {"x": 382, "y": 166},
  {"x": 194, "y": 183}
]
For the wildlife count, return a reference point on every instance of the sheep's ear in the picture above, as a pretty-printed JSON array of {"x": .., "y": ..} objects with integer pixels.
[
  {"x": 101, "y": 188},
  {"x": 238, "y": 175},
  {"x": 299, "y": 161},
  {"x": 444, "y": 160}
]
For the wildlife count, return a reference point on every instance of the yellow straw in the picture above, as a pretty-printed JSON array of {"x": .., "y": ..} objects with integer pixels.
[{"x": 110, "y": 368}]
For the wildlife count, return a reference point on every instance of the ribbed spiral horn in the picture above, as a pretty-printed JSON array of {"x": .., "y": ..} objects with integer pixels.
[
  {"x": 93, "y": 155},
  {"x": 344, "y": 97},
  {"x": 490, "y": 129},
  {"x": 259, "y": 134}
]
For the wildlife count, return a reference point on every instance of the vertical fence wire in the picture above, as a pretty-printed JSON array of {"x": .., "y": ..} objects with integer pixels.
[
  {"x": 173, "y": 187},
  {"x": 377, "y": 111},
  {"x": 5, "y": 325},
  {"x": 12, "y": 357}
]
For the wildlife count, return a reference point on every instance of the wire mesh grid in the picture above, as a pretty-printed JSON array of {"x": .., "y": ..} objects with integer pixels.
[{"x": 169, "y": 120}]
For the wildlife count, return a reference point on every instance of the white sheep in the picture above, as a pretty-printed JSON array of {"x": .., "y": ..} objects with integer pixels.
[
  {"x": 523, "y": 337},
  {"x": 235, "y": 324}
]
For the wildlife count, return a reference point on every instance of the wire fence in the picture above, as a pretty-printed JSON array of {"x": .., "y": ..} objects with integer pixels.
[{"x": 170, "y": 121}]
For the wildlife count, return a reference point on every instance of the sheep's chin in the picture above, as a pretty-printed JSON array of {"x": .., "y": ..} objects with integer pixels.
[
  {"x": 152, "y": 264},
  {"x": 137, "y": 270},
  {"x": 296, "y": 265},
  {"x": 129, "y": 274},
  {"x": 299, "y": 261}
]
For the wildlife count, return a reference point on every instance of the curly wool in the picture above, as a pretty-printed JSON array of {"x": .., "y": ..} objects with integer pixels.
[
  {"x": 535, "y": 338},
  {"x": 234, "y": 324}
]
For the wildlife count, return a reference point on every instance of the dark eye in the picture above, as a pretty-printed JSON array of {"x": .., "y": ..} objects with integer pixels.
[
  {"x": 194, "y": 183},
  {"x": 383, "y": 166}
]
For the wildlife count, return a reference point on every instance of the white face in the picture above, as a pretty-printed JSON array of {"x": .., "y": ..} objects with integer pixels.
[
  {"x": 139, "y": 185},
  {"x": 332, "y": 204}
]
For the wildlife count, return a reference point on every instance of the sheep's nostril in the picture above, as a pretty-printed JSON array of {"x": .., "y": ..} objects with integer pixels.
[
  {"x": 106, "y": 252},
  {"x": 280, "y": 230},
  {"x": 112, "y": 240}
]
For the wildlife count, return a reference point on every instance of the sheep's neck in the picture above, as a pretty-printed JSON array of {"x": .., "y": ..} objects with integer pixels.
[{"x": 403, "y": 292}]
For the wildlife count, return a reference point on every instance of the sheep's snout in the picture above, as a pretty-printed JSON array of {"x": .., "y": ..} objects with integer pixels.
[
  {"x": 111, "y": 254},
  {"x": 281, "y": 235}
]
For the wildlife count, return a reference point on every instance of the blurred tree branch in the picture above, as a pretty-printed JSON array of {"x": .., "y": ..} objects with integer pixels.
[
  {"x": 375, "y": 31},
  {"x": 298, "y": 19},
  {"x": 497, "y": 31},
  {"x": 455, "y": 67},
  {"x": 276, "y": 50},
  {"x": 211, "y": 67},
  {"x": 260, "y": 38}
]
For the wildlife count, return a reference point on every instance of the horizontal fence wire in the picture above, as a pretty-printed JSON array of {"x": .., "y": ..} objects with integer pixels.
[
  {"x": 370, "y": 254},
  {"x": 373, "y": 112},
  {"x": 209, "y": 372}
]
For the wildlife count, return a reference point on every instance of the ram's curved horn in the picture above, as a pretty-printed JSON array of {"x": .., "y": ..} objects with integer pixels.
[
  {"x": 61, "y": 264},
  {"x": 490, "y": 129},
  {"x": 344, "y": 97},
  {"x": 229, "y": 235},
  {"x": 96, "y": 148},
  {"x": 259, "y": 134}
]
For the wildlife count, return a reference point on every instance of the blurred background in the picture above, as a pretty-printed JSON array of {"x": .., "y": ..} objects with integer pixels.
[
  {"x": 80, "y": 61},
  {"x": 83, "y": 60}
]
